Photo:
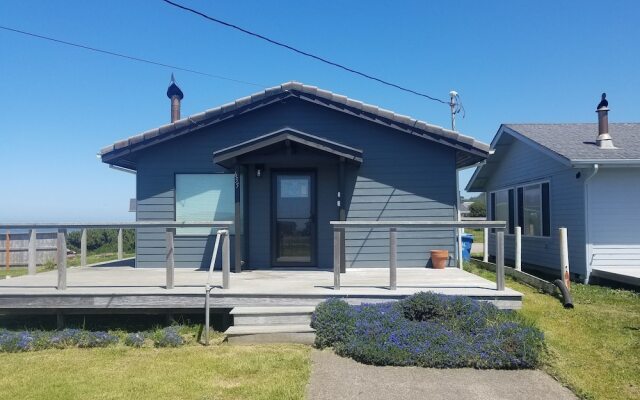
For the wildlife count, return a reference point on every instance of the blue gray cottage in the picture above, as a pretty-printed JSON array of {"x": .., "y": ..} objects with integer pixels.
[
  {"x": 282, "y": 164},
  {"x": 584, "y": 177}
]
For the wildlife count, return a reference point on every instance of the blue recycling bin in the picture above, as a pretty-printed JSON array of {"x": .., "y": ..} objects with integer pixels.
[{"x": 467, "y": 241}]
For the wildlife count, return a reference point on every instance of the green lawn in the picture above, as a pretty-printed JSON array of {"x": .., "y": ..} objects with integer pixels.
[
  {"x": 595, "y": 348},
  {"x": 71, "y": 262},
  {"x": 96, "y": 258},
  {"x": 478, "y": 234},
  {"x": 191, "y": 372}
]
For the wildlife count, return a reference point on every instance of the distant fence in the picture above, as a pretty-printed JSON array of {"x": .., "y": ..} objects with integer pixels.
[{"x": 17, "y": 246}]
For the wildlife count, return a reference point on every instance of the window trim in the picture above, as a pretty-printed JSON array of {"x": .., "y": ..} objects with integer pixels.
[{"x": 515, "y": 188}]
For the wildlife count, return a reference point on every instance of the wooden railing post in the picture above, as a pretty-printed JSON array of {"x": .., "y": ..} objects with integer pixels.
[
  {"x": 83, "y": 247},
  {"x": 500, "y": 260},
  {"x": 7, "y": 250},
  {"x": 343, "y": 239},
  {"x": 207, "y": 313},
  {"x": 393, "y": 258},
  {"x": 62, "y": 258},
  {"x": 564, "y": 257},
  {"x": 485, "y": 246},
  {"x": 337, "y": 233},
  {"x": 32, "y": 255},
  {"x": 518, "y": 257},
  {"x": 459, "y": 260},
  {"x": 120, "y": 245},
  {"x": 226, "y": 259},
  {"x": 170, "y": 263}
]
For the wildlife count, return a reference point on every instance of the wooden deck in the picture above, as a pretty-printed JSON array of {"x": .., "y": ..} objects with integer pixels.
[
  {"x": 624, "y": 274},
  {"x": 126, "y": 289}
]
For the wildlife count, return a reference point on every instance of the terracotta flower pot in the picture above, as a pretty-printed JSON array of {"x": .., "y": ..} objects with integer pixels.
[{"x": 439, "y": 258}]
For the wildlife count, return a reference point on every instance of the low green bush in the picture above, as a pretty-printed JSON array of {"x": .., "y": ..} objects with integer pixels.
[{"x": 429, "y": 330}]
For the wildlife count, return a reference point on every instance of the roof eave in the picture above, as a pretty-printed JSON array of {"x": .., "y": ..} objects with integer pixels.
[{"x": 613, "y": 163}]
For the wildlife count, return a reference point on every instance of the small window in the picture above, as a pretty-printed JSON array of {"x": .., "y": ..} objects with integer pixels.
[
  {"x": 204, "y": 197},
  {"x": 532, "y": 208},
  {"x": 500, "y": 206}
]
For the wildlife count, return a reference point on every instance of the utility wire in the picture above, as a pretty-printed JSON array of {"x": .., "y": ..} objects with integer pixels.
[
  {"x": 128, "y": 57},
  {"x": 304, "y": 53}
]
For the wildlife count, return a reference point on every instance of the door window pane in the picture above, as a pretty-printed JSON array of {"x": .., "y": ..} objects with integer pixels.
[
  {"x": 294, "y": 244},
  {"x": 204, "y": 197},
  {"x": 294, "y": 197},
  {"x": 532, "y": 209}
]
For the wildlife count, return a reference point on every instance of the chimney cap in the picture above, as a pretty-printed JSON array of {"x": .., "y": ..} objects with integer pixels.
[
  {"x": 604, "y": 104},
  {"x": 174, "y": 90}
]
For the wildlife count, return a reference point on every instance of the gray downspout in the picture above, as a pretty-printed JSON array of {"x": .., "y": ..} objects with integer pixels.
[{"x": 588, "y": 247}]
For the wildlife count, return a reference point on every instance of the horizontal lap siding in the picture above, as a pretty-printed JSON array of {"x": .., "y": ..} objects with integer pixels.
[
  {"x": 401, "y": 178},
  {"x": 522, "y": 164},
  {"x": 614, "y": 219},
  {"x": 414, "y": 181}
]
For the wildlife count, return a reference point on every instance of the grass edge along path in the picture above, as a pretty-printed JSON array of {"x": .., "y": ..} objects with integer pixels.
[
  {"x": 593, "y": 349},
  {"x": 190, "y": 372}
]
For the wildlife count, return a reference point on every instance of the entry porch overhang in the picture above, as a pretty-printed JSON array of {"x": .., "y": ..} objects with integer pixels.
[{"x": 284, "y": 139}]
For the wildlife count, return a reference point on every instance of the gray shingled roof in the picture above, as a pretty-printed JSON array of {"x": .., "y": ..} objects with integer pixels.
[
  {"x": 576, "y": 142},
  {"x": 469, "y": 145},
  {"x": 571, "y": 144}
]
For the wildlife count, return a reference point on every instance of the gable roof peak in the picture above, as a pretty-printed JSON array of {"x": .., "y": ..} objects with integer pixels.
[{"x": 312, "y": 94}]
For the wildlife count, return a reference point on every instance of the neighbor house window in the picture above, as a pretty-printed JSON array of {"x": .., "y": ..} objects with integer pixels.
[
  {"x": 523, "y": 206},
  {"x": 502, "y": 207},
  {"x": 533, "y": 209},
  {"x": 204, "y": 197}
]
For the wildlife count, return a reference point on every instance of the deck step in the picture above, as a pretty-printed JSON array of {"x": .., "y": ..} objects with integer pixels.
[
  {"x": 272, "y": 310},
  {"x": 291, "y": 315},
  {"x": 280, "y": 333}
]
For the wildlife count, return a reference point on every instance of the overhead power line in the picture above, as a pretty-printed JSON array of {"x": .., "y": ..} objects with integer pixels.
[
  {"x": 304, "y": 53},
  {"x": 128, "y": 57}
]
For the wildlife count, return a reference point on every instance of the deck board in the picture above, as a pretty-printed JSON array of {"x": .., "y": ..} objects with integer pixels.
[
  {"x": 625, "y": 274},
  {"x": 129, "y": 288}
]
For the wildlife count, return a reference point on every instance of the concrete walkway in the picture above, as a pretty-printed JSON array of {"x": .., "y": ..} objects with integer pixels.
[{"x": 334, "y": 377}]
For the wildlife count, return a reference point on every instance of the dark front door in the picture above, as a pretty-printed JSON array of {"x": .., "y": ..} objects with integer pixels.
[{"x": 294, "y": 219}]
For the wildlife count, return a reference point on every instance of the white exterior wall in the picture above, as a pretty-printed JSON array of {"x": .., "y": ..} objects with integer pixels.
[{"x": 613, "y": 218}]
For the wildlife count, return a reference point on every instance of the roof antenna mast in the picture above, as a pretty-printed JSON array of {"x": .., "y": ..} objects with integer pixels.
[
  {"x": 453, "y": 104},
  {"x": 456, "y": 108}
]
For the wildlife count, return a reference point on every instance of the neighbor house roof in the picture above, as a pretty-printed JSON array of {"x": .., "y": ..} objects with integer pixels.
[
  {"x": 571, "y": 144},
  {"x": 469, "y": 152}
]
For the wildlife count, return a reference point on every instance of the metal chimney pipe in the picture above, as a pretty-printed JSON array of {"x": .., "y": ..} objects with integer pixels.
[
  {"x": 175, "y": 108},
  {"x": 604, "y": 140},
  {"x": 176, "y": 95}
]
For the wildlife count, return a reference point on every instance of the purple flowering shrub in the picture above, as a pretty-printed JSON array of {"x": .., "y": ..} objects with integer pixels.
[
  {"x": 134, "y": 339},
  {"x": 429, "y": 330},
  {"x": 66, "y": 338},
  {"x": 97, "y": 339},
  {"x": 333, "y": 321},
  {"x": 168, "y": 337}
]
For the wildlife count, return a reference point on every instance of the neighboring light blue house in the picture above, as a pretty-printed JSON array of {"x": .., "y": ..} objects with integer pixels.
[
  {"x": 585, "y": 177},
  {"x": 282, "y": 164}
]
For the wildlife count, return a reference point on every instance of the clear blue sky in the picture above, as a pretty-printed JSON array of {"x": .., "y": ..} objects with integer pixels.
[{"x": 512, "y": 61}]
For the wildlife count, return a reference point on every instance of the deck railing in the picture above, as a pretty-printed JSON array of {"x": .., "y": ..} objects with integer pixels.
[
  {"x": 339, "y": 228},
  {"x": 62, "y": 228}
]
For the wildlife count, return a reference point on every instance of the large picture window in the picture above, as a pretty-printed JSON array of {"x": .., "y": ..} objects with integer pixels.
[{"x": 204, "y": 197}]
